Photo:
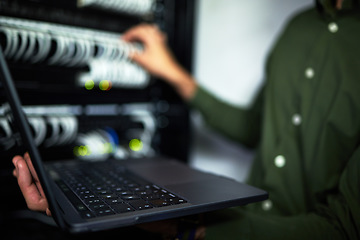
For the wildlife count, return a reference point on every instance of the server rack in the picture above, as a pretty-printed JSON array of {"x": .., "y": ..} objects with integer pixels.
[{"x": 80, "y": 105}]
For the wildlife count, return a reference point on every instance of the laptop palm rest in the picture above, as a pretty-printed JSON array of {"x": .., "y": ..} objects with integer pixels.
[{"x": 196, "y": 186}]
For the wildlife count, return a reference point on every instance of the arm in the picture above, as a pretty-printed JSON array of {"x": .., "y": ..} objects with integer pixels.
[{"x": 237, "y": 124}]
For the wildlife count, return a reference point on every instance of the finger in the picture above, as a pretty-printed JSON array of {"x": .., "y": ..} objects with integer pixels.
[
  {"x": 33, "y": 198},
  {"x": 136, "y": 56},
  {"x": 25, "y": 179},
  {"x": 134, "y": 34},
  {"x": 48, "y": 212},
  {"x": 141, "y": 33},
  {"x": 14, "y": 161}
]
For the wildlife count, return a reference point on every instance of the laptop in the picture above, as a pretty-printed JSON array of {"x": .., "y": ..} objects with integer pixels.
[{"x": 92, "y": 196}]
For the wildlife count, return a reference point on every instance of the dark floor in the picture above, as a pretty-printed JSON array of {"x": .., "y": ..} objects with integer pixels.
[{"x": 30, "y": 229}]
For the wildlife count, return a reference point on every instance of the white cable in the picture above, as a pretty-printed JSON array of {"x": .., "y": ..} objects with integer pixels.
[
  {"x": 7, "y": 33},
  {"x": 22, "y": 47},
  {"x": 14, "y": 43},
  {"x": 39, "y": 126},
  {"x": 31, "y": 46},
  {"x": 132, "y": 7},
  {"x": 7, "y": 141},
  {"x": 53, "y": 122},
  {"x": 32, "y": 40}
]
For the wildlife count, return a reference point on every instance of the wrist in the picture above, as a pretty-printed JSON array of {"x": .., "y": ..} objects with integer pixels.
[{"x": 183, "y": 82}]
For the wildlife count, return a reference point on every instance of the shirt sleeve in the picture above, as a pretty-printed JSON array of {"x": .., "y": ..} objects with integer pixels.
[
  {"x": 239, "y": 124},
  {"x": 337, "y": 218}
]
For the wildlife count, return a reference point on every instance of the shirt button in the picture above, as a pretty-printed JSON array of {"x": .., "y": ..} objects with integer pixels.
[
  {"x": 333, "y": 27},
  {"x": 309, "y": 73},
  {"x": 266, "y": 205},
  {"x": 280, "y": 161},
  {"x": 296, "y": 119}
]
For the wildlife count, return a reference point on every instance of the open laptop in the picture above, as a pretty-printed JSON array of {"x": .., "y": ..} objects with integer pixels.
[{"x": 92, "y": 196}]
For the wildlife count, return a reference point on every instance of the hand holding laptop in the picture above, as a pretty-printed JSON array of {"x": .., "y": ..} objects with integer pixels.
[
  {"x": 29, "y": 184},
  {"x": 35, "y": 198}
]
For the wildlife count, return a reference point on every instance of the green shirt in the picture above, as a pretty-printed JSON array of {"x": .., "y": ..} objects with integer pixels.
[{"x": 305, "y": 125}]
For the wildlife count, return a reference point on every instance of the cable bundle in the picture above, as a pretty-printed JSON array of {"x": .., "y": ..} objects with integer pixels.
[
  {"x": 132, "y": 7},
  {"x": 54, "y": 44}
]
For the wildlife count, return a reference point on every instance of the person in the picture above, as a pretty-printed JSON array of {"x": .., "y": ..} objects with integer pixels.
[{"x": 304, "y": 123}]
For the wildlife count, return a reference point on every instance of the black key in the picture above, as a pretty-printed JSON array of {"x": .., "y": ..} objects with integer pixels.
[
  {"x": 86, "y": 214},
  {"x": 126, "y": 193},
  {"x": 159, "y": 202},
  {"x": 104, "y": 191},
  {"x": 132, "y": 185},
  {"x": 122, "y": 208},
  {"x": 84, "y": 192},
  {"x": 139, "y": 204},
  {"x": 152, "y": 197},
  {"x": 81, "y": 189},
  {"x": 119, "y": 189},
  {"x": 176, "y": 200},
  {"x": 138, "y": 189},
  {"x": 99, "y": 206},
  {"x": 113, "y": 201},
  {"x": 109, "y": 196},
  {"x": 144, "y": 192},
  {"x": 168, "y": 196},
  {"x": 87, "y": 196},
  {"x": 81, "y": 207},
  {"x": 92, "y": 201},
  {"x": 130, "y": 197},
  {"x": 104, "y": 212}
]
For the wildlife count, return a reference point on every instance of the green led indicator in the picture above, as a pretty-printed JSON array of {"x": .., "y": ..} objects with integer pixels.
[
  {"x": 89, "y": 84},
  {"x": 135, "y": 145}
]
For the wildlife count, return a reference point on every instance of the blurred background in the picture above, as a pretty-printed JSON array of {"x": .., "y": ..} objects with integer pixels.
[{"x": 232, "y": 40}]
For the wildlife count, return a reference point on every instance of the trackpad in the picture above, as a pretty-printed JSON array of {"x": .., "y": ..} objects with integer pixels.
[
  {"x": 213, "y": 190},
  {"x": 169, "y": 172}
]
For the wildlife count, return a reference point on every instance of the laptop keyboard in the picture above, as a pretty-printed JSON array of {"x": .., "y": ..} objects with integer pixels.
[{"x": 98, "y": 189}]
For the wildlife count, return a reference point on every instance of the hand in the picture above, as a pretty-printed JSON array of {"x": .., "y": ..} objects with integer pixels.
[
  {"x": 29, "y": 184},
  {"x": 156, "y": 56},
  {"x": 158, "y": 59}
]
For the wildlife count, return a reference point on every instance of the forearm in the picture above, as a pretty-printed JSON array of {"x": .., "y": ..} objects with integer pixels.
[
  {"x": 237, "y": 124},
  {"x": 182, "y": 81}
]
